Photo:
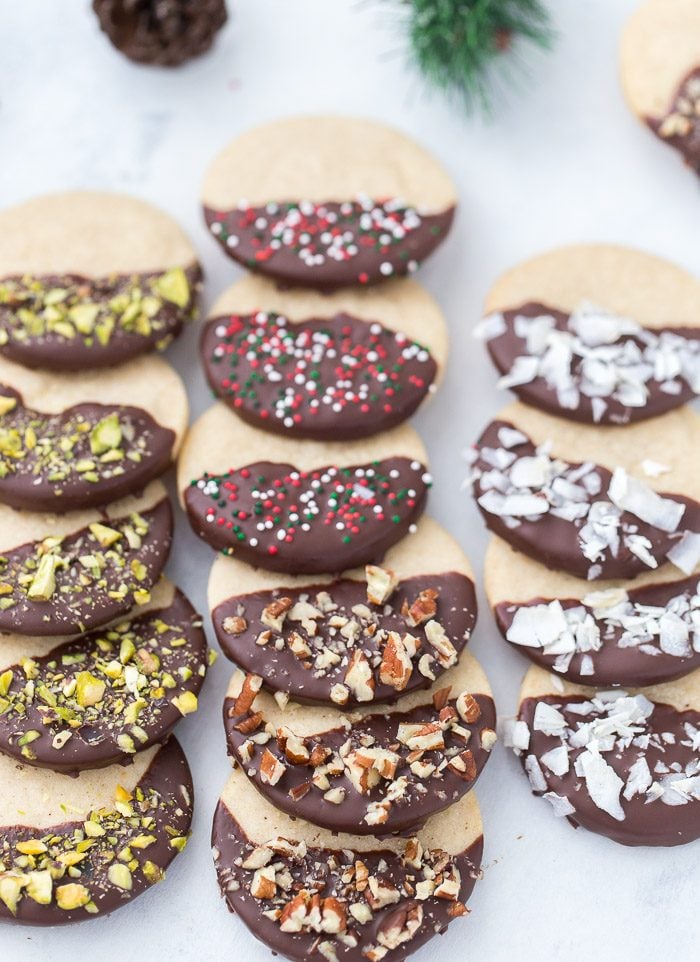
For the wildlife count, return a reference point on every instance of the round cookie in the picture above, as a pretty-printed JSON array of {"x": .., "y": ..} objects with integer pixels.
[
  {"x": 352, "y": 897},
  {"x": 68, "y": 442},
  {"x": 592, "y": 503},
  {"x": 73, "y": 848},
  {"x": 370, "y": 635},
  {"x": 91, "y": 279},
  {"x": 300, "y": 506},
  {"x": 625, "y": 764},
  {"x": 67, "y": 574},
  {"x": 371, "y": 770},
  {"x": 327, "y": 201},
  {"x": 96, "y": 699},
  {"x": 330, "y": 367},
  {"x": 612, "y": 633},
  {"x": 596, "y": 333},
  {"x": 660, "y": 72}
]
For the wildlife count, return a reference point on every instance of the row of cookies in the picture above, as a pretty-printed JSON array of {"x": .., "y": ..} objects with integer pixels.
[
  {"x": 589, "y": 483},
  {"x": 355, "y": 715},
  {"x": 100, "y": 656}
]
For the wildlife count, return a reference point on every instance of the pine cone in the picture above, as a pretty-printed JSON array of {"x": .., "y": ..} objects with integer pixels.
[{"x": 164, "y": 32}]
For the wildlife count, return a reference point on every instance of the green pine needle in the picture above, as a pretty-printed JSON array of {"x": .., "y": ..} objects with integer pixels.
[{"x": 458, "y": 43}]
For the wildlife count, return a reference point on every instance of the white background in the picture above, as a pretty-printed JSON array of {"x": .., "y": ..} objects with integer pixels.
[{"x": 564, "y": 161}]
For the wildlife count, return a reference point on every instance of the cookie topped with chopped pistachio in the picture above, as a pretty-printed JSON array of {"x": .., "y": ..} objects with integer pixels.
[
  {"x": 75, "y": 848},
  {"x": 67, "y": 441},
  {"x": 99, "y": 698},
  {"x": 91, "y": 279},
  {"x": 67, "y": 574}
]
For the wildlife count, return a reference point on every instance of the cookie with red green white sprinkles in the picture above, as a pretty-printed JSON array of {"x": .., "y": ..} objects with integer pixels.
[
  {"x": 325, "y": 366},
  {"x": 300, "y": 506},
  {"x": 328, "y": 201}
]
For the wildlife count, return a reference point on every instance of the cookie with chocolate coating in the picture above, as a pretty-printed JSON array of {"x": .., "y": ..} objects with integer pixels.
[
  {"x": 300, "y": 506},
  {"x": 69, "y": 441},
  {"x": 59, "y": 836},
  {"x": 327, "y": 201},
  {"x": 91, "y": 279},
  {"x": 401, "y": 624},
  {"x": 352, "y": 897},
  {"x": 622, "y": 763},
  {"x": 330, "y": 367},
  {"x": 660, "y": 72},
  {"x": 98, "y": 698},
  {"x": 593, "y": 503},
  {"x": 596, "y": 333}
]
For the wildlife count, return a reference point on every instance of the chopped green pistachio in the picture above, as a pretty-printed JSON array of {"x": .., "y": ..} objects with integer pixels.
[
  {"x": 40, "y": 886},
  {"x": 7, "y": 404},
  {"x": 106, "y": 435},
  {"x": 44, "y": 582},
  {"x": 104, "y": 535},
  {"x": 72, "y": 896},
  {"x": 119, "y": 875},
  {"x": 89, "y": 690},
  {"x": 173, "y": 286}
]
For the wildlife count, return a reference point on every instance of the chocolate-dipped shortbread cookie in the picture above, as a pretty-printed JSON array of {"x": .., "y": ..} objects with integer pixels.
[
  {"x": 96, "y": 699},
  {"x": 369, "y": 635},
  {"x": 592, "y": 503},
  {"x": 90, "y": 280},
  {"x": 302, "y": 507},
  {"x": 67, "y": 574},
  {"x": 660, "y": 71},
  {"x": 326, "y": 366},
  {"x": 372, "y": 770},
  {"x": 69, "y": 442},
  {"x": 596, "y": 333},
  {"x": 625, "y": 764},
  {"x": 74, "y": 848},
  {"x": 610, "y": 633},
  {"x": 308, "y": 893},
  {"x": 327, "y": 201}
]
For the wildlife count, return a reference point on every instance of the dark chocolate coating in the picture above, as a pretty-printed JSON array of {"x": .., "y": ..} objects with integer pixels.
[
  {"x": 225, "y": 510},
  {"x": 168, "y": 796},
  {"x": 424, "y": 796},
  {"x": 686, "y": 143},
  {"x": 321, "y": 870},
  {"x": 645, "y": 823},
  {"x": 282, "y": 670},
  {"x": 506, "y": 347},
  {"x": 93, "y": 742},
  {"x": 554, "y": 541},
  {"x": 255, "y": 364},
  {"x": 45, "y": 477},
  {"x": 39, "y": 346},
  {"x": 74, "y": 607},
  {"x": 612, "y": 664},
  {"x": 272, "y": 240}
]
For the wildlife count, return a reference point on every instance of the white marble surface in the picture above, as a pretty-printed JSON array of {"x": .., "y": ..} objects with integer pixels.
[{"x": 564, "y": 162}]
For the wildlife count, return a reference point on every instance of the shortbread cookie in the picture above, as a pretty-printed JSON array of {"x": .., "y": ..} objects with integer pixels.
[
  {"x": 327, "y": 201},
  {"x": 100, "y": 697},
  {"x": 324, "y": 366},
  {"x": 595, "y": 333},
  {"x": 91, "y": 279},
  {"x": 73, "y": 848},
  {"x": 593, "y": 503},
  {"x": 371, "y": 770},
  {"x": 67, "y": 574},
  {"x": 610, "y": 633},
  {"x": 310, "y": 894},
  {"x": 625, "y": 764},
  {"x": 370, "y": 635},
  {"x": 660, "y": 70},
  {"x": 300, "y": 506},
  {"x": 68, "y": 441}
]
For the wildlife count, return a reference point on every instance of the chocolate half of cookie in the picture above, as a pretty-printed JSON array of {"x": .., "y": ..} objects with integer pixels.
[
  {"x": 610, "y": 634},
  {"x": 680, "y": 126},
  {"x": 73, "y": 848},
  {"x": 97, "y": 699},
  {"x": 372, "y": 770},
  {"x": 83, "y": 569},
  {"x": 581, "y": 517},
  {"x": 305, "y": 892},
  {"x": 625, "y": 764}
]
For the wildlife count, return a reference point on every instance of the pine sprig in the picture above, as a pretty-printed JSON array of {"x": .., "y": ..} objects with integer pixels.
[{"x": 460, "y": 44}]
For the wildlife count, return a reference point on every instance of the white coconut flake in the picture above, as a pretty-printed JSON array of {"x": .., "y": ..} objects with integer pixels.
[
  {"x": 654, "y": 469},
  {"x": 534, "y": 773},
  {"x": 685, "y": 553},
  {"x": 515, "y": 735},
  {"x": 630, "y": 494},
  {"x": 561, "y": 806},
  {"x": 556, "y": 760},
  {"x": 548, "y": 719},
  {"x": 493, "y": 325},
  {"x": 602, "y": 782},
  {"x": 638, "y": 780}
]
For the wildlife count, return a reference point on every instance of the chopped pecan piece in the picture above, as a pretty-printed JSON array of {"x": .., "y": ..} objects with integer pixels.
[
  {"x": 445, "y": 650},
  {"x": 381, "y": 583},
  {"x": 401, "y": 926},
  {"x": 234, "y": 625},
  {"x": 249, "y": 689},
  {"x": 271, "y": 768},
  {"x": 359, "y": 678},
  {"x": 468, "y": 707},
  {"x": 422, "y": 609},
  {"x": 263, "y": 885},
  {"x": 464, "y": 765},
  {"x": 274, "y": 614},
  {"x": 396, "y": 667}
]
